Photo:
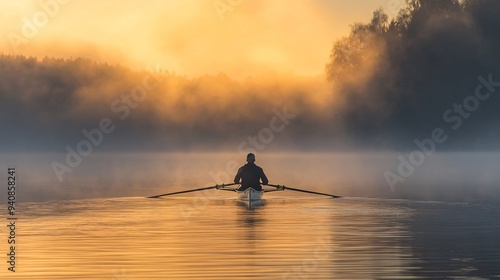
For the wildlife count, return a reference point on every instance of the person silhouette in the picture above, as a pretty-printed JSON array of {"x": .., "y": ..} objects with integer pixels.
[{"x": 250, "y": 175}]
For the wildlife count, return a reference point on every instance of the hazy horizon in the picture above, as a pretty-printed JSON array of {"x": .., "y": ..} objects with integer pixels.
[{"x": 409, "y": 81}]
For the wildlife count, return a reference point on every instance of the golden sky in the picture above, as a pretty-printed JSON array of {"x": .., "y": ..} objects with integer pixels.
[{"x": 189, "y": 37}]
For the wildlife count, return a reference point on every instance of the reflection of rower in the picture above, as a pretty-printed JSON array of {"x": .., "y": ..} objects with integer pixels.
[{"x": 250, "y": 175}]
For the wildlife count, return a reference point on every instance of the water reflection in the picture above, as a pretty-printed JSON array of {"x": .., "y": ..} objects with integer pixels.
[
  {"x": 455, "y": 240},
  {"x": 370, "y": 236},
  {"x": 294, "y": 238},
  {"x": 251, "y": 205}
]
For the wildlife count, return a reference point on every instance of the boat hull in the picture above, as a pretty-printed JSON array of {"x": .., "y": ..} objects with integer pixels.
[{"x": 250, "y": 194}]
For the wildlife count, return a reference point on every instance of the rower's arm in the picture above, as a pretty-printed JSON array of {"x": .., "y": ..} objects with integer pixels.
[
  {"x": 264, "y": 178},
  {"x": 237, "y": 178}
]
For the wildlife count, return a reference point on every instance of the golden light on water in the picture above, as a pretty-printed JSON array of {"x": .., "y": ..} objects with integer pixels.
[{"x": 138, "y": 238}]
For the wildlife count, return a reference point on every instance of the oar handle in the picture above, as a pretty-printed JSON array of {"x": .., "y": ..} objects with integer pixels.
[
  {"x": 222, "y": 186},
  {"x": 279, "y": 187}
]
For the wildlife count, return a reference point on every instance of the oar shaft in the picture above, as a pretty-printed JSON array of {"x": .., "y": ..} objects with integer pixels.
[
  {"x": 312, "y": 192},
  {"x": 273, "y": 190},
  {"x": 221, "y": 187},
  {"x": 195, "y": 190},
  {"x": 282, "y": 187}
]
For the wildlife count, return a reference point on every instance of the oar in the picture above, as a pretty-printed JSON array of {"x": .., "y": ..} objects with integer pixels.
[
  {"x": 193, "y": 190},
  {"x": 281, "y": 187},
  {"x": 276, "y": 190},
  {"x": 229, "y": 190},
  {"x": 306, "y": 191}
]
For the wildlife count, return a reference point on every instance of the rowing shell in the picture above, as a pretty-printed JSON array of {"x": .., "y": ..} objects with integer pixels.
[{"x": 250, "y": 194}]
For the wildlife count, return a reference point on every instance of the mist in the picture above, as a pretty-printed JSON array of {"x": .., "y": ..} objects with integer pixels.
[
  {"x": 400, "y": 77},
  {"x": 54, "y": 100},
  {"x": 388, "y": 86},
  {"x": 189, "y": 37},
  {"x": 448, "y": 177}
]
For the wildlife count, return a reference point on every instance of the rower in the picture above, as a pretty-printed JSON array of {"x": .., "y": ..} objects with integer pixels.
[{"x": 250, "y": 175}]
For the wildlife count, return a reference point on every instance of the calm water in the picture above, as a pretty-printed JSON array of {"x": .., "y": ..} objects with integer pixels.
[{"x": 286, "y": 238}]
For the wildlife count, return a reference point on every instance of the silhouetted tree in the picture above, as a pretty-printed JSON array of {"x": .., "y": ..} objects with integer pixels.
[{"x": 429, "y": 57}]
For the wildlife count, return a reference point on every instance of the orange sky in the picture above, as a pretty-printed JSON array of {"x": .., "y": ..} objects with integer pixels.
[{"x": 238, "y": 37}]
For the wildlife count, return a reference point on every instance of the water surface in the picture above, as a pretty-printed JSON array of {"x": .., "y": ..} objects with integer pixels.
[{"x": 214, "y": 237}]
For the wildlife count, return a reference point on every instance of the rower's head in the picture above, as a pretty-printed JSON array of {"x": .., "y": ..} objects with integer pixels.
[{"x": 250, "y": 157}]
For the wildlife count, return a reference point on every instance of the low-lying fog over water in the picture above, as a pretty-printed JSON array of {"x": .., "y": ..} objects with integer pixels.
[{"x": 457, "y": 177}]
